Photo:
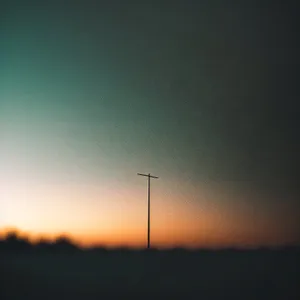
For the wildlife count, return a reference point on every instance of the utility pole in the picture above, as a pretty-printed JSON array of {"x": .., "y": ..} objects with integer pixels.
[{"x": 148, "y": 228}]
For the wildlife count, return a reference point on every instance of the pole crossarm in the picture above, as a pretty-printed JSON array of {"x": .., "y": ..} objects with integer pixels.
[
  {"x": 147, "y": 175},
  {"x": 148, "y": 228}
]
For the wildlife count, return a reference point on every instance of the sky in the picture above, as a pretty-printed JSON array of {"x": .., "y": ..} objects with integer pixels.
[{"x": 201, "y": 94}]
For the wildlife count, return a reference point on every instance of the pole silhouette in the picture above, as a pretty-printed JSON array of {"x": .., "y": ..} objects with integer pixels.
[{"x": 148, "y": 227}]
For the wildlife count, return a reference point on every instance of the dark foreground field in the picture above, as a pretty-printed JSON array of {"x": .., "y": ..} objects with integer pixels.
[{"x": 151, "y": 275}]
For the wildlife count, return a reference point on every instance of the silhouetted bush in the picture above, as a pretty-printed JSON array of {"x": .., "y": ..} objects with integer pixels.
[
  {"x": 64, "y": 244},
  {"x": 43, "y": 245},
  {"x": 13, "y": 243}
]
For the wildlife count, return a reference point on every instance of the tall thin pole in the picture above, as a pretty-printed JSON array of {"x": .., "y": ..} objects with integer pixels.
[
  {"x": 148, "y": 236},
  {"x": 148, "y": 224}
]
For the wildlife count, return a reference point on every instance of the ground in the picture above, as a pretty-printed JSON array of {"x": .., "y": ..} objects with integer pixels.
[{"x": 144, "y": 275}]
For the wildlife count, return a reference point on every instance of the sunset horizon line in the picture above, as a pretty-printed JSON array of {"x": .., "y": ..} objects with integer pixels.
[{"x": 34, "y": 238}]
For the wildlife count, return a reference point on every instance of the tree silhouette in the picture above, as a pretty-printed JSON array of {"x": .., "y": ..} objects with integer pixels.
[
  {"x": 13, "y": 242},
  {"x": 64, "y": 244}
]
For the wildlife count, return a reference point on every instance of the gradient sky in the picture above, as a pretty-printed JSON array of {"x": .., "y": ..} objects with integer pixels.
[{"x": 199, "y": 93}]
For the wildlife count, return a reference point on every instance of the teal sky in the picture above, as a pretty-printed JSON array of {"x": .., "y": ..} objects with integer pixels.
[{"x": 91, "y": 94}]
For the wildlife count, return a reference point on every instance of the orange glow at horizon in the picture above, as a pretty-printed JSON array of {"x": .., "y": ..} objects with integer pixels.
[{"x": 177, "y": 219}]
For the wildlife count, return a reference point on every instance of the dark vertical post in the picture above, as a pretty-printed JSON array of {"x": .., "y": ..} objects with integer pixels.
[
  {"x": 148, "y": 223},
  {"x": 148, "y": 245}
]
